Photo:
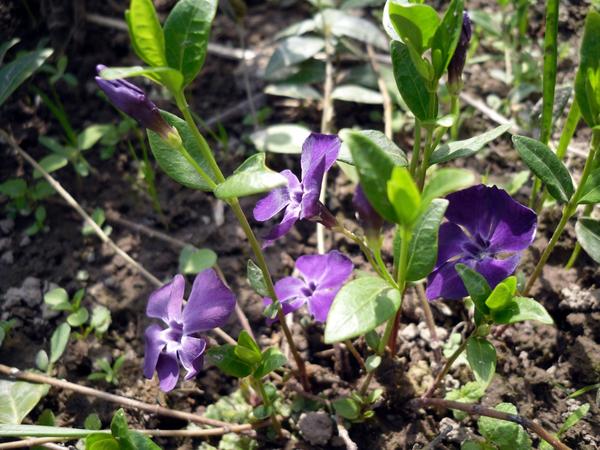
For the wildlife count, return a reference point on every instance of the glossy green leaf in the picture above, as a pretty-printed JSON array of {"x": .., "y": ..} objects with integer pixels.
[
  {"x": 78, "y": 318},
  {"x": 146, "y": 33},
  {"x": 256, "y": 279},
  {"x": 186, "y": 36},
  {"x": 167, "y": 76},
  {"x": 51, "y": 163},
  {"x": 286, "y": 138},
  {"x": 443, "y": 42},
  {"x": 13, "y": 74},
  {"x": 173, "y": 163},
  {"x": 101, "y": 319},
  {"x": 372, "y": 362},
  {"x": 357, "y": 94},
  {"x": 17, "y": 399},
  {"x": 247, "y": 349},
  {"x": 588, "y": 235},
  {"x": 468, "y": 147},
  {"x": 91, "y": 135},
  {"x": 550, "y": 68},
  {"x": 101, "y": 441},
  {"x": 17, "y": 430},
  {"x": 271, "y": 360},
  {"x": 92, "y": 422},
  {"x": 226, "y": 360},
  {"x": 359, "y": 307},
  {"x": 590, "y": 193},
  {"x": 545, "y": 164},
  {"x": 375, "y": 168},
  {"x": 389, "y": 147},
  {"x": 587, "y": 80},
  {"x": 58, "y": 341},
  {"x": 415, "y": 23},
  {"x": 404, "y": 196},
  {"x": 56, "y": 297},
  {"x": 293, "y": 50},
  {"x": 251, "y": 177},
  {"x": 194, "y": 260},
  {"x": 478, "y": 288},
  {"x": 262, "y": 412},
  {"x": 502, "y": 294},
  {"x": 347, "y": 408},
  {"x": 423, "y": 247},
  {"x": 411, "y": 84},
  {"x": 138, "y": 441},
  {"x": 504, "y": 434},
  {"x": 481, "y": 355},
  {"x": 521, "y": 309},
  {"x": 118, "y": 425},
  {"x": 445, "y": 181}
]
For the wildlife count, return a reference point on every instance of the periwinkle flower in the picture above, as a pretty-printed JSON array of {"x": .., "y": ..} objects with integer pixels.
[
  {"x": 209, "y": 305},
  {"x": 457, "y": 62},
  {"x": 487, "y": 231},
  {"x": 300, "y": 199},
  {"x": 133, "y": 101},
  {"x": 369, "y": 219},
  {"x": 322, "y": 278}
]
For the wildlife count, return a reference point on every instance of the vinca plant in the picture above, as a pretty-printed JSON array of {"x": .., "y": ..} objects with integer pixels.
[{"x": 426, "y": 230}]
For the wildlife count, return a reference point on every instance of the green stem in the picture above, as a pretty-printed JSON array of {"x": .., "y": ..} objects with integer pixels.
[
  {"x": 577, "y": 250},
  {"x": 258, "y": 384},
  {"x": 568, "y": 211},
  {"x": 455, "y": 110},
  {"x": 414, "y": 158},
  {"x": 426, "y": 155}
]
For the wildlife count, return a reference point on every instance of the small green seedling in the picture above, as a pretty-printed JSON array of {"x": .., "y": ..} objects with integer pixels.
[{"x": 107, "y": 372}]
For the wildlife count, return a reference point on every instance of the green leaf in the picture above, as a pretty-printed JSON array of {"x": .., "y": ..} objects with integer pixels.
[
  {"x": 286, "y": 138},
  {"x": 359, "y": 307},
  {"x": 423, "y": 247},
  {"x": 13, "y": 188},
  {"x": 390, "y": 148},
  {"x": 357, "y": 94},
  {"x": 101, "y": 441},
  {"x": 41, "y": 360},
  {"x": 101, "y": 319},
  {"x": 293, "y": 50},
  {"x": 98, "y": 217},
  {"x": 56, "y": 297},
  {"x": 50, "y": 163},
  {"x": 16, "y": 430},
  {"x": 246, "y": 349},
  {"x": 261, "y": 412},
  {"x": 375, "y": 168},
  {"x": 443, "y": 42},
  {"x": 118, "y": 425},
  {"x": 13, "y": 74},
  {"x": 545, "y": 164},
  {"x": 504, "y": 434},
  {"x": 166, "y": 76},
  {"x": 502, "y": 294},
  {"x": 139, "y": 441},
  {"x": 414, "y": 23},
  {"x": 17, "y": 399},
  {"x": 146, "y": 34},
  {"x": 444, "y": 181},
  {"x": 92, "y": 422},
  {"x": 404, "y": 196},
  {"x": 587, "y": 84},
  {"x": 91, "y": 135},
  {"x": 257, "y": 279},
  {"x": 293, "y": 90},
  {"x": 193, "y": 260},
  {"x": 372, "y": 362},
  {"x": 468, "y": 147},
  {"x": 226, "y": 360},
  {"x": 78, "y": 318},
  {"x": 481, "y": 355},
  {"x": 520, "y": 309},
  {"x": 186, "y": 36},
  {"x": 411, "y": 84},
  {"x": 477, "y": 286},
  {"x": 272, "y": 359},
  {"x": 58, "y": 341},
  {"x": 469, "y": 393},
  {"x": 251, "y": 177},
  {"x": 173, "y": 163},
  {"x": 347, "y": 408},
  {"x": 341, "y": 24},
  {"x": 590, "y": 193},
  {"x": 588, "y": 235}
]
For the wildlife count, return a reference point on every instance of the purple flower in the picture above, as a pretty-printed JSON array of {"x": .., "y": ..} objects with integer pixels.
[
  {"x": 457, "y": 63},
  {"x": 368, "y": 218},
  {"x": 300, "y": 199},
  {"x": 209, "y": 305},
  {"x": 133, "y": 101},
  {"x": 322, "y": 278},
  {"x": 486, "y": 230}
]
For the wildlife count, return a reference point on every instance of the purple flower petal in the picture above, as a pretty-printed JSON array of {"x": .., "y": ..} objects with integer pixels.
[
  {"x": 165, "y": 303},
  {"x": 191, "y": 355},
  {"x": 325, "y": 271},
  {"x": 292, "y": 213},
  {"x": 311, "y": 184},
  {"x": 277, "y": 199},
  {"x": 368, "y": 218},
  {"x": 167, "y": 370},
  {"x": 444, "y": 282},
  {"x": 209, "y": 305},
  {"x": 320, "y": 303},
  {"x": 451, "y": 241},
  {"x": 291, "y": 295},
  {"x": 517, "y": 231},
  {"x": 496, "y": 270},
  {"x": 319, "y": 147},
  {"x": 154, "y": 345}
]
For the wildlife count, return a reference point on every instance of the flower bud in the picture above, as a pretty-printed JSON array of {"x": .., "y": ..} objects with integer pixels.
[
  {"x": 457, "y": 63},
  {"x": 368, "y": 218},
  {"x": 133, "y": 101}
]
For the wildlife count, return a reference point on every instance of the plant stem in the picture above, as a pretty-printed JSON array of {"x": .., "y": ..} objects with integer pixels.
[
  {"x": 440, "y": 376},
  {"x": 414, "y": 157},
  {"x": 420, "y": 290},
  {"x": 426, "y": 155},
  {"x": 455, "y": 111},
  {"x": 472, "y": 409},
  {"x": 568, "y": 211},
  {"x": 350, "y": 346},
  {"x": 267, "y": 402}
]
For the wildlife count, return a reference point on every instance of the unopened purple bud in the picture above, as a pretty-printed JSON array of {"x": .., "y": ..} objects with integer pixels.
[
  {"x": 133, "y": 101},
  {"x": 368, "y": 218},
  {"x": 457, "y": 63}
]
